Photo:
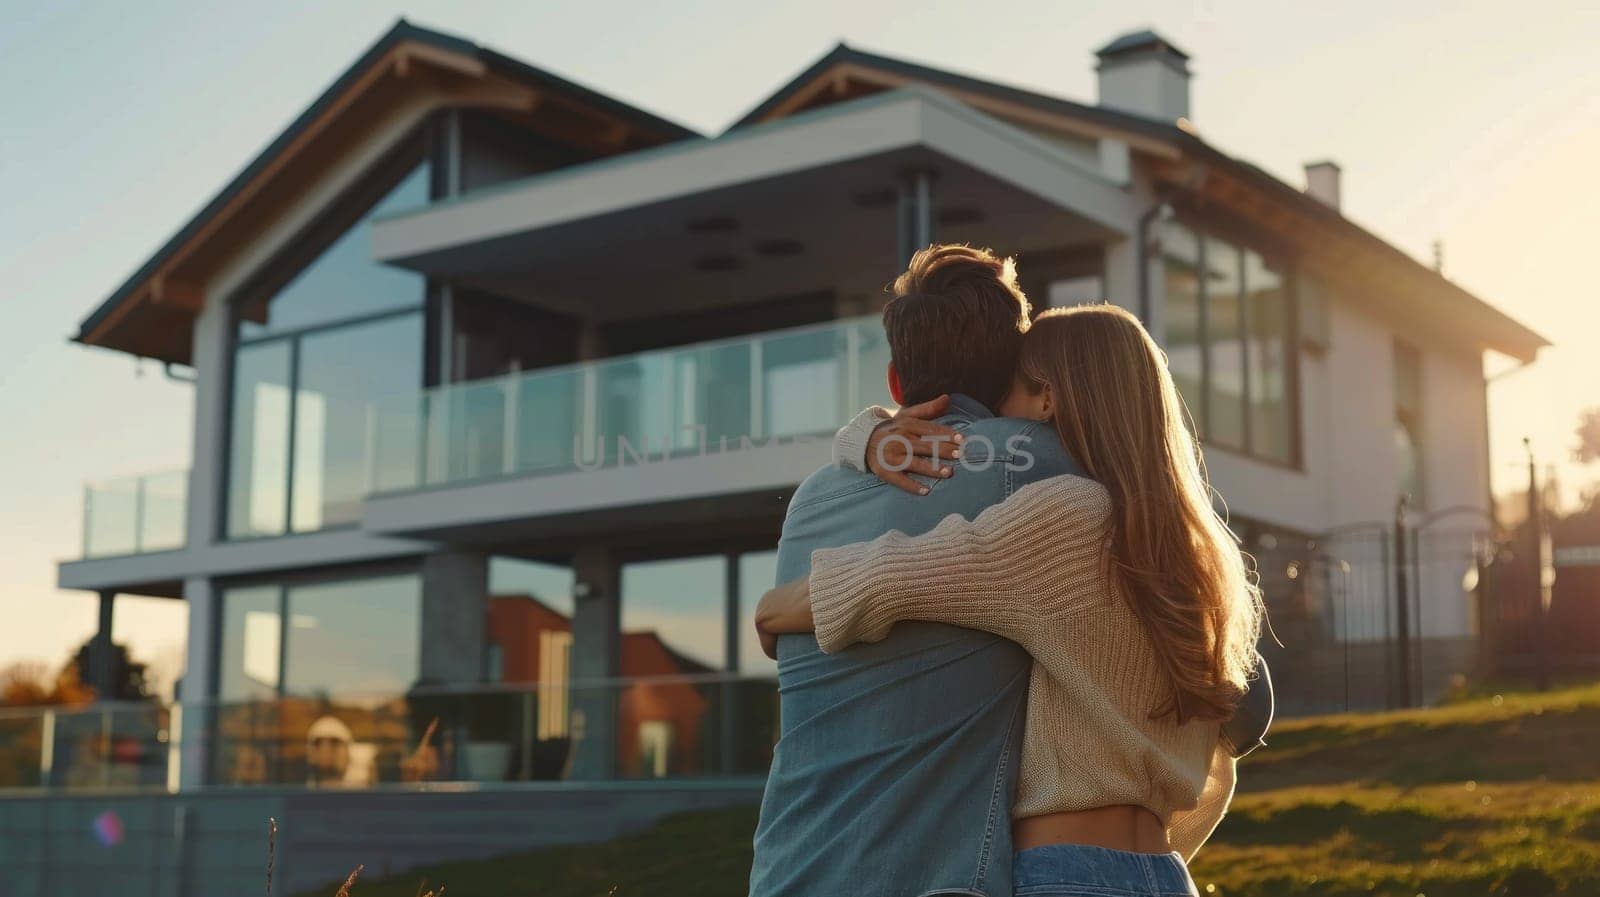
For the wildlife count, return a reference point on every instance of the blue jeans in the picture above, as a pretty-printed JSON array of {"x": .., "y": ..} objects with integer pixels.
[{"x": 1075, "y": 870}]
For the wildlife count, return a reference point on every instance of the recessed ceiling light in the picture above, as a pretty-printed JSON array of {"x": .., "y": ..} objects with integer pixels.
[
  {"x": 719, "y": 263},
  {"x": 713, "y": 224},
  {"x": 961, "y": 215},
  {"x": 779, "y": 247},
  {"x": 873, "y": 199}
]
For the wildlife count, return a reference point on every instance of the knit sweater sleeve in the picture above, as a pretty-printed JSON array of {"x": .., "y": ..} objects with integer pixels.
[
  {"x": 1188, "y": 829},
  {"x": 850, "y": 443},
  {"x": 1037, "y": 555}
]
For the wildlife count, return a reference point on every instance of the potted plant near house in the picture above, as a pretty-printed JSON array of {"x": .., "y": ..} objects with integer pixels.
[{"x": 490, "y": 719}]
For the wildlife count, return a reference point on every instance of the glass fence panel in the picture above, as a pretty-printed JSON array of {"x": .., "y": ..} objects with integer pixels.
[
  {"x": 804, "y": 381},
  {"x": 111, "y": 515},
  {"x": 164, "y": 511},
  {"x": 705, "y": 398},
  {"x": 131, "y": 515},
  {"x": 111, "y": 746},
  {"x": 547, "y": 411},
  {"x": 698, "y": 726},
  {"x": 397, "y": 436},
  {"x": 663, "y": 727},
  {"x": 22, "y": 738}
]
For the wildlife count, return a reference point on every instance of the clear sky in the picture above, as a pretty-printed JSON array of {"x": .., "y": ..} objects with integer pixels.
[{"x": 1473, "y": 123}]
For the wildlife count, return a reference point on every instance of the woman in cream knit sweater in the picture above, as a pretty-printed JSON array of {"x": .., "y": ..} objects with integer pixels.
[{"x": 1128, "y": 590}]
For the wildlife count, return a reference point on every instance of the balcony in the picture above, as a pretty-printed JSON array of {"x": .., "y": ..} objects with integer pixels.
[
  {"x": 697, "y": 400},
  {"x": 704, "y": 400},
  {"x": 135, "y": 515}
]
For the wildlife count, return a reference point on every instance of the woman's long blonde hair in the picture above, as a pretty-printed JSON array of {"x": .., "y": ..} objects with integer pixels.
[{"x": 1171, "y": 555}]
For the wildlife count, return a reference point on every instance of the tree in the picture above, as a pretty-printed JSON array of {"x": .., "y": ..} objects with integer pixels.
[
  {"x": 127, "y": 676},
  {"x": 1588, "y": 447},
  {"x": 28, "y": 683}
]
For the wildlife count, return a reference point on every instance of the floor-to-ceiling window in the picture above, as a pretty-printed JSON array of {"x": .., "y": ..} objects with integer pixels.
[
  {"x": 1408, "y": 423},
  {"x": 674, "y": 614},
  {"x": 758, "y": 572},
  {"x": 313, "y": 677},
  {"x": 310, "y": 359},
  {"x": 1229, "y": 321}
]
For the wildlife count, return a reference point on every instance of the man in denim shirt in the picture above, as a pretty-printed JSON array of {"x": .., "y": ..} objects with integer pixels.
[{"x": 897, "y": 760}]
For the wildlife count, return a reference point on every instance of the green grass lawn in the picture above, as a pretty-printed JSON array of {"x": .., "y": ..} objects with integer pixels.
[{"x": 1490, "y": 796}]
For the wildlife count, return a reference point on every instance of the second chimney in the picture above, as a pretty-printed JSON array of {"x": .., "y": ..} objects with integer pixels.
[
  {"x": 1322, "y": 182},
  {"x": 1144, "y": 74}
]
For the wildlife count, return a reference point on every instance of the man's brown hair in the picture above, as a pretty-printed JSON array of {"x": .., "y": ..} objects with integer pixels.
[{"x": 955, "y": 323}]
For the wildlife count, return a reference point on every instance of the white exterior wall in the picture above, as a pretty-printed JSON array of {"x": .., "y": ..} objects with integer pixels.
[
  {"x": 1348, "y": 468},
  {"x": 1350, "y": 474},
  {"x": 1455, "y": 475}
]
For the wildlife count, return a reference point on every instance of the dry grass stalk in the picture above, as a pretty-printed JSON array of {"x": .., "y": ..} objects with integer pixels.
[
  {"x": 344, "y": 889},
  {"x": 272, "y": 850}
]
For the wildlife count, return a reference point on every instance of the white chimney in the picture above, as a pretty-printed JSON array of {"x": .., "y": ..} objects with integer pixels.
[
  {"x": 1322, "y": 182},
  {"x": 1144, "y": 74}
]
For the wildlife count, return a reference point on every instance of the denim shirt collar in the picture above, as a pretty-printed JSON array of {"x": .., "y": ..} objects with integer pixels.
[{"x": 966, "y": 406}]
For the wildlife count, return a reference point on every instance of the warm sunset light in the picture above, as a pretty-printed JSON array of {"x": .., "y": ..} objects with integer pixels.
[{"x": 472, "y": 433}]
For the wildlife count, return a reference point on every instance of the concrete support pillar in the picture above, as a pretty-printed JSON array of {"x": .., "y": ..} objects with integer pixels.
[
  {"x": 197, "y": 688},
  {"x": 1121, "y": 275},
  {"x": 455, "y": 617},
  {"x": 101, "y": 674},
  {"x": 207, "y": 473},
  {"x": 596, "y": 660},
  {"x": 916, "y": 212}
]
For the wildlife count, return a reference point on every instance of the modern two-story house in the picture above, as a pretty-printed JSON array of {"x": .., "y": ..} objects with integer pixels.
[{"x": 501, "y": 386}]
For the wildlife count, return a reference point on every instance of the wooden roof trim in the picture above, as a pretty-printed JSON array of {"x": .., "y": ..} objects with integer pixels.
[
  {"x": 1341, "y": 255},
  {"x": 405, "y": 60},
  {"x": 837, "y": 75}
]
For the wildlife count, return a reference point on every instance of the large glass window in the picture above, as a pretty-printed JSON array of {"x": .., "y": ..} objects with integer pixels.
[
  {"x": 258, "y": 487},
  {"x": 1229, "y": 342},
  {"x": 530, "y": 622},
  {"x": 355, "y": 638},
  {"x": 758, "y": 572},
  {"x": 358, "y": 638},
  {"x": 345, "y": 282},
  {"x": 673, "y": 616},
  {"x": 252, "y": 633},
  {"x": 1408, "y": 423},
  {"x": 311, "y": 361},
  {"x": 1267, "y": 311},
  {"x": 1185, "y": 349},
  {"x": 340, "y": 372},
  {"x": 1225, "y": 384},
  {"x": 313, "y": 681}
]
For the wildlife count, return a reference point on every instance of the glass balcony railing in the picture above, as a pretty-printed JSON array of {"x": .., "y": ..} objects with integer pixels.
[
  {"x": 713, "y": 725},
  {"x": 698, "y": 399},
  {"x": 704, "y": 398},
  {"x": 133, "y": 515}
]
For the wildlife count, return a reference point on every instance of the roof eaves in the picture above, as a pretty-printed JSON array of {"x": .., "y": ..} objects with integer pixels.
[
  {"x": 1333, "y": 217},
  {"x": 1044, "y": 102},
  {"x": 840, "y": 52},
  {"x": 401, "y": 31}
]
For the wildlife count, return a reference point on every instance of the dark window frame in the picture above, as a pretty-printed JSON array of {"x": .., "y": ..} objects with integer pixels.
[
  {"x": 1272, "y": 251},
  {"x": 423, "y": 145},
  {"x": 282, "y": 582}
]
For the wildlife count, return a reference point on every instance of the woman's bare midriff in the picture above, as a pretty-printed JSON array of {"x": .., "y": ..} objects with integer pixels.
[{"x": 1120, "y": 827}]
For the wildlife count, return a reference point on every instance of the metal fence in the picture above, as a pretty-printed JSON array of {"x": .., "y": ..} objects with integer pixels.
[{"x": 1362, "y": 619}]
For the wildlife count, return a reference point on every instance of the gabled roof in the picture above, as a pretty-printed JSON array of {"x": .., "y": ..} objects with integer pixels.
[
  {"x": 660, "y": 130},
  {"x": 843, "y": 55},
  {"x": 1178, "y": 144}
]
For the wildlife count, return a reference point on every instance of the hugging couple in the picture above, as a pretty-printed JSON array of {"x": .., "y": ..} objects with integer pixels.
[{"x": 1015, "y": 643}]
